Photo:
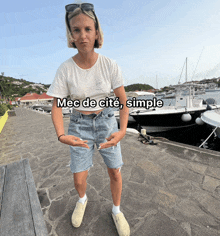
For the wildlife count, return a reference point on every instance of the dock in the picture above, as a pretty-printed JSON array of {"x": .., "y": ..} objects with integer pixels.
[
  {"x": 168, "y": 189},
  {"x": 20, "y": 210}
]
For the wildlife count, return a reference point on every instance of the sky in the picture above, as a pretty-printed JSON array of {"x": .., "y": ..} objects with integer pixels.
[{"x": 149, "y": 39}]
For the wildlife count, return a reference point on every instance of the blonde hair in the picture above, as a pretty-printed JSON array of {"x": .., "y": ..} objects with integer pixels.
[{"x": 76, "y": 12}]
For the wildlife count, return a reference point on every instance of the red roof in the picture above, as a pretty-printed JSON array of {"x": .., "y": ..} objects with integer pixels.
[
  {"x": 35, "y": 96},
  {"x": 28, "y": 96},
  {"x": 45, "y": 96}
]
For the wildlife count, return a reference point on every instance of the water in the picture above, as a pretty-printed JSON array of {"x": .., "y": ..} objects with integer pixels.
[{"x": 197, "y": 134}]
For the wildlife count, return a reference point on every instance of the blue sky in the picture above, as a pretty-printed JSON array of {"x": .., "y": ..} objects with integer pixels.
[{"x": 146, "y": 39}]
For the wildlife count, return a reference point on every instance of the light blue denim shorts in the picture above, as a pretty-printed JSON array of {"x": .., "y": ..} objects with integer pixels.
[{"x": 95, "y": 128}]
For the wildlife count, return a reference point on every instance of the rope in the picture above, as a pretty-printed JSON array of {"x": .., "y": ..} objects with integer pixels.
[
  {"x": 197, "y": 63},
  {"x": 181, "y": 72},
  {"x": 209, "y": 136}
]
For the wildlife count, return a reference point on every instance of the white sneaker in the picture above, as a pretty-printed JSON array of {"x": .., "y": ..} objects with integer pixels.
[
  {"x": 78, "y": 214},
  {"x": 121, "y": 224}
]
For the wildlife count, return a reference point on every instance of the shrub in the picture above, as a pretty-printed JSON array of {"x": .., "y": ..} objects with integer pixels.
[
  {"x": 3, "y": 109},
  {"x": 9, "y": 106}
]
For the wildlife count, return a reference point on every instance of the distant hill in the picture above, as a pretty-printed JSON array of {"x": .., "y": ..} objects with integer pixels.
[
  {"x": 139, "y": 87},
  {"x": 213, "y": 80},
  {"x": 11, "y": 87}
]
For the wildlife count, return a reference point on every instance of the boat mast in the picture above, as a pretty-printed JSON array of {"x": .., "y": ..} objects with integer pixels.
[{"x": 186, "y": 69}]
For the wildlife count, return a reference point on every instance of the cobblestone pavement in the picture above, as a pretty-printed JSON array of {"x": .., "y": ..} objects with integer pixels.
[{"x": 168, "y": 189}]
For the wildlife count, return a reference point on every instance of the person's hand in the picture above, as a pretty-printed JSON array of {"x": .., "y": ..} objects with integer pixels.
[
  {"x": 74, "y": 141},
  {"x": 112, "y": 140}
]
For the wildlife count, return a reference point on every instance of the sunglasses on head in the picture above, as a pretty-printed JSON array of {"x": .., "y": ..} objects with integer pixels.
[{"x": 83, "y": 6}]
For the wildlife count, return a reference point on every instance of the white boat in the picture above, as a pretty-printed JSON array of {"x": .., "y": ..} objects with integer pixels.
[
  {"x": 169, "y": 118},
  {"x": 184, "y": 114},
  {"x": 36, "y": 106},
  {"x": 212, "y": 118},
  {"x": 169, "y": 94},
  {"x": 48, "y": 108},
  {"x": 160, "y": 94}
]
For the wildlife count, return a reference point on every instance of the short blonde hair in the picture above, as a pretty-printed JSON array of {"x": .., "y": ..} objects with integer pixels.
[{"x": 91, "y": 14}]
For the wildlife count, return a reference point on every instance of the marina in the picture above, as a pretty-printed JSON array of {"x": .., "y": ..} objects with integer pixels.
[
  {"x": 168, "y": 189},
  {"x": 70, "y": 165},
  {"x": 181, "y": 115},
  {"x": 179, "y": 119},
  {"x": 196, "y": 135}
]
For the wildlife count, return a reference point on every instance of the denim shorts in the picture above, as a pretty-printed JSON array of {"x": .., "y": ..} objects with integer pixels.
[{"x": 94, "y": 128}]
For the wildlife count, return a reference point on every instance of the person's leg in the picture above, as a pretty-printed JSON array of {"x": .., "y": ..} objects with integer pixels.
[
  {"x": 115, "y": 185},
  {"x": 81, "y": 160},
  {"x": 80, "y": 182},
  {"x": 116, "y": 189},
  {"x": 80, "y": 186},
  {"x": 106, "y": 125}
]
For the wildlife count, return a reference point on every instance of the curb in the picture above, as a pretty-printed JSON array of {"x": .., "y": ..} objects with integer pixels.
[{"x": 3, "y": 120}]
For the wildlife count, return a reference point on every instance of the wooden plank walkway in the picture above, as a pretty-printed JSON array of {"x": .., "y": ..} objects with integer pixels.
[{"x": 20, "y": 211}]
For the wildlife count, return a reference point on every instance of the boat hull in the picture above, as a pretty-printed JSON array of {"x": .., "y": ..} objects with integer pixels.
[
  {"x": 165, "y": 129},
  {"x": 165, "y": 122},
  {"x": 47, "y": 108}
]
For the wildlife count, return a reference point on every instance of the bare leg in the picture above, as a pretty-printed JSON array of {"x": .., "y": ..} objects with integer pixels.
[
  {"x": 80, "y": 185},
  {"x": 80, "y": 182},
  {"x": 116, "y": 185}
]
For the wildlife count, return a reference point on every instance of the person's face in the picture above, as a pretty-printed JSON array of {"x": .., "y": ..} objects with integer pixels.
[{"x": 83, "y": 32}]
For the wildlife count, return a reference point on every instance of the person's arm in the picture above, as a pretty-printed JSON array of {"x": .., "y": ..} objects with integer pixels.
[
  {"x": 57, "y": 118},
  {"x": 124, "y": 113}
]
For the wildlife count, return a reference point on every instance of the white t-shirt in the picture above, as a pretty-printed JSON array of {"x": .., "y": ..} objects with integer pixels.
[{"x": 95, "y": 83}]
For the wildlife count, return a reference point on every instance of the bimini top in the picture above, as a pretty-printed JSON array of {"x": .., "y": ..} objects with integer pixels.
[{"x": 211, "y": 117}]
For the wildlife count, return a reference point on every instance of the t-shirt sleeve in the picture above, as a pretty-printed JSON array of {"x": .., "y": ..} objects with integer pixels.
[
  {"x": 59, "y": 86},
  {"x": 117, "y": 78}
]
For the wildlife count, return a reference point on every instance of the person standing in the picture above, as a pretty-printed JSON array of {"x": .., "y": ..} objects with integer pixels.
[{"x": 89, "y": 75}]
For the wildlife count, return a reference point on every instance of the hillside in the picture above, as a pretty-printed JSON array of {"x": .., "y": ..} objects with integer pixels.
[
  {"x": 139, "y": 87},
  {"x": 11, "y": 87}
]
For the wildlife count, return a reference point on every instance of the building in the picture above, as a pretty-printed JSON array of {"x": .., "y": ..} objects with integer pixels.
[
  {"x": 34, "y": 98},
  {"x": 45, "y": 98}
]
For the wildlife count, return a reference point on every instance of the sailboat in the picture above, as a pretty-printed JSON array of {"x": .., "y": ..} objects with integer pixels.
[{"x": 184, "y": 114}]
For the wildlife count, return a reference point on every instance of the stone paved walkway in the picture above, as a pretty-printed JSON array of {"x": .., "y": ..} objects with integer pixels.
[{"x": 168, "y": 190}]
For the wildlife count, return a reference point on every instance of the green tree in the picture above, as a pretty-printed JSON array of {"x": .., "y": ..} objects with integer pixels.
[{"x": 139, "y": 87}]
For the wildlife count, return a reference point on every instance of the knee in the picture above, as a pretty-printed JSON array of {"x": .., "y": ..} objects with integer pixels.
[
  {"x": 78, "y": 182},
  {"x": 115, "y": 174},
  {"x": 80, "y": 178}
]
